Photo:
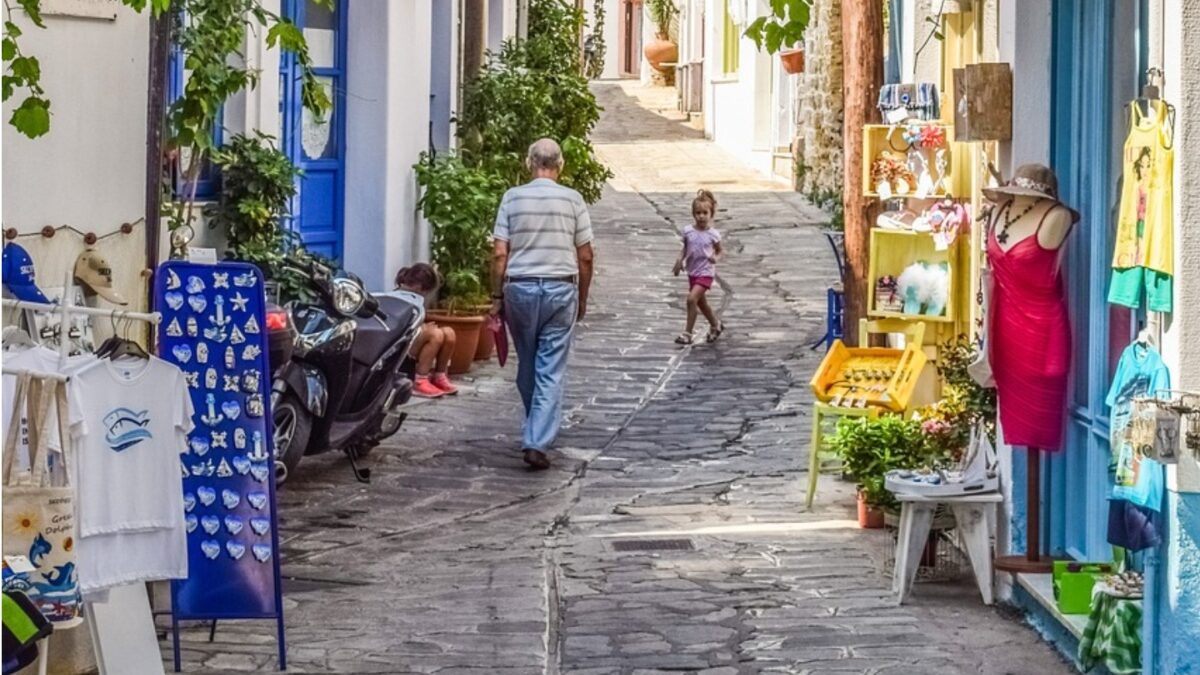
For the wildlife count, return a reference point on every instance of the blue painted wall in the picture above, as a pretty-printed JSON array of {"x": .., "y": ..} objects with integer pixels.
[{"x": 1178, "y": 643}]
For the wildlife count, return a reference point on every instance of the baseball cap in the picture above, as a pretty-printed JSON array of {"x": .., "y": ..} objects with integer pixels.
[
  {"x": 94, "y": 272},
  {"x": 19, "y": 276}
]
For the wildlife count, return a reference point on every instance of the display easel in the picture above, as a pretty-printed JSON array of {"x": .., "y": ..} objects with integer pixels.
[{"x": 119, "y": 640}]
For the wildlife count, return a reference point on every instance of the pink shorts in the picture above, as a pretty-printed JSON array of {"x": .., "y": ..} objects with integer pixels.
[{"x": 703, "y": 282}]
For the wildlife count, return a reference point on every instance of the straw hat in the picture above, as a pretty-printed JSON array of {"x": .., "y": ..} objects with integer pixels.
[{"x": 1030, "y": 180}]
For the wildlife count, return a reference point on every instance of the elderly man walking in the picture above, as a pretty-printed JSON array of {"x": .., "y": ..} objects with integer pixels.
[{"x": 542, "y": 269}]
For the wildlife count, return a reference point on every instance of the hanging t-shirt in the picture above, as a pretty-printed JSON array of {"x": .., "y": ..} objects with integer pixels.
[
  {"x": 109, "y": 560},
  {"x": 1141, "y": 372},
  {"x": 37, "y": 359},
  {"x": 133, "y": 425}
]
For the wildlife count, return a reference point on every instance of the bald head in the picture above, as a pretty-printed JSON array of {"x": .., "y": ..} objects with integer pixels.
[{"x": 545, "y": 158}]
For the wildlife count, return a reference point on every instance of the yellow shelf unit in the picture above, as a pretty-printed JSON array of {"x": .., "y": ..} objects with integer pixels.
[
  {"x": 894, "y": 250},
  {"x": 878, "y": 138}
]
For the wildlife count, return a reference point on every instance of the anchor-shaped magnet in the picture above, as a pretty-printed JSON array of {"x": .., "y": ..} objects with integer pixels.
[
  {"x": 258, "y": 455},
  {"x": 212, "y": 418},
  {"x": 220, "y": 319}
]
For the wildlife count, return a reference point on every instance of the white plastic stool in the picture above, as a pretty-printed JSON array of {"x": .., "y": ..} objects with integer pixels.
[
  {"x": 973, "y": 521},
  {"x": 44, "y": 643}
]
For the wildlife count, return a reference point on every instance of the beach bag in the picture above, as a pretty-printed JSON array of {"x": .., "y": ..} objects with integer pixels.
[
  {"x": 39, "y": 518},
  {"x": 980, "y": 369}
]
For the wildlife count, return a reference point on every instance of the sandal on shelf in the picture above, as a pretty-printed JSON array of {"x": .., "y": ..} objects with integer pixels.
[
  {"x": 715, "y": 332},
  {"x": 684, "y": 339}
]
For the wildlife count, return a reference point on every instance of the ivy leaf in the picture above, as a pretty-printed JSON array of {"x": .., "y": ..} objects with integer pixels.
[
  {"x": 755, "y": 31},
  {"x": 26, "y": 69},
  {"x": 285, "y": 34},
  {"x": 8, "y": 86},
  {"x": 34, "y": 10},
  {"x": 8, "y": 49},
  {"x": 12, "y": 30},
  {"x": 32, "y": 117}
]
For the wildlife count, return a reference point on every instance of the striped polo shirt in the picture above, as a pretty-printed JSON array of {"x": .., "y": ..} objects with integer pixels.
[{"x": 543, "y": 223}]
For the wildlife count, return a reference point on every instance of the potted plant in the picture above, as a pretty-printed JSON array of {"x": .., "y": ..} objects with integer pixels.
[
  {"x": 661, "y": 49},
  {"x": 782, "y": 30},
  {"x": 460, "y": 204},
  {"x": 869, "y": 448}
]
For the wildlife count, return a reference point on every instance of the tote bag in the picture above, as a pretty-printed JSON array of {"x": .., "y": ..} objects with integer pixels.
[
  {"x": 980, "y": 369},
  {"x": 39, "y": 518}
]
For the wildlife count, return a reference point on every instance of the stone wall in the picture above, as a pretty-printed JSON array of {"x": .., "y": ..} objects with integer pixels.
[{"x": 818, "y": 146}]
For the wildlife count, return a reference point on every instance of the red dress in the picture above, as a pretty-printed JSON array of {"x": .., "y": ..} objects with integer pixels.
[{"x": 1030, "y": 340}]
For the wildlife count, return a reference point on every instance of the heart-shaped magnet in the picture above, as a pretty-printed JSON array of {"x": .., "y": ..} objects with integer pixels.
[
  {"x": 211, "y": 548},
  {"x": 182, "y": 353},
  {"x": 206, "y": 494},
  {"x": 233, "y": 524},
  {"x": 210, "y": 524},
  {"x": 241, "y": 465},
  {"x": 230, "y": 499},
  {"x": 198, "y": 303},
  {"x": 260, "y": 525},
  {"x": 174, "y": 300},
  {"x": 199, "y": 446},
  {"x": 257, "y": 499},
  {"x": 189, "y": 501},
  {"x": 195, "y": 285},
  {"x": 231, "y": 409},
  {"x": 262, "y": 552},
  {"x": 235, "y": 550},
  {"x": 191, "y": 522},
  {"x": 260, "y": 471}
]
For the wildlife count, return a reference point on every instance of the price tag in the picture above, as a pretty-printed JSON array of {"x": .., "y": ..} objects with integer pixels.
[
  {"x": 898, "y": 115},
  {"x": 204, "y": 256},
  {"x": 19, "y": 564}
]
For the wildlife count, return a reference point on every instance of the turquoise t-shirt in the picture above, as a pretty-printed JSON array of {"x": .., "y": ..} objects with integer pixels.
[{"x": 1140, "y": 372}]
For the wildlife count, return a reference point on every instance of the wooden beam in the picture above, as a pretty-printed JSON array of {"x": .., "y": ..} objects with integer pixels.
[
  {"x": 474, "y": 42},
  {"x": 862, "y": 53}
]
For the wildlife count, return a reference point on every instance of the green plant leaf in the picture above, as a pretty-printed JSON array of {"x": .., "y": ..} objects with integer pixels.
[
  {"x": 32, "y": 117},
  {"x": 33, "y": 9}
]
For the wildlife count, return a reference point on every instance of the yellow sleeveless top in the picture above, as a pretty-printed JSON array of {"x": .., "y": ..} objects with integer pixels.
[{"x": 1145, "y": 226}]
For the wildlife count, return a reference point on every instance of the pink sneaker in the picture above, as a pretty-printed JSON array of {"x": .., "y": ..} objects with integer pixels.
[
  {"x": 442, "y": 381},
  {"x": 425, "y": 388}
]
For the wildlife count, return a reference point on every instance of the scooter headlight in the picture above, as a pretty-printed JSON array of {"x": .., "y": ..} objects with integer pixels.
[{"x": 348, "y": 297}]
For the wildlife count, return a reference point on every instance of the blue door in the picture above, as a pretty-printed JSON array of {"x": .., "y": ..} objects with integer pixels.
[
  {"x": 317, "y": 145},
  {"x": 1093, "y": 67}
]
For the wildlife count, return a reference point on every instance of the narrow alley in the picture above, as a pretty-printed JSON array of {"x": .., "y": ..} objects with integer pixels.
[{"x": 455, "y": 559}]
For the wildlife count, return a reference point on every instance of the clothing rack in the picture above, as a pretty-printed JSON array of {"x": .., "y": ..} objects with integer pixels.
[
  {"x": 36, "y": 374},
  {"x": 67, "y": 309}
]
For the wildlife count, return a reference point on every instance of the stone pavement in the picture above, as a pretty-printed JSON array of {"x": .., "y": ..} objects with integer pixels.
[{"x": 457, "y": 560}]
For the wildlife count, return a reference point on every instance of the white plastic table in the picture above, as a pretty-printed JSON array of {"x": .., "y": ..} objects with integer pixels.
[{"x": 971, "y": 517}]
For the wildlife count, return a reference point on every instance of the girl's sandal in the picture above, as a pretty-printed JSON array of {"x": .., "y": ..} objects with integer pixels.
[
  {"x": 715, "y": 332},
  {"x": 684, "y": 339}
]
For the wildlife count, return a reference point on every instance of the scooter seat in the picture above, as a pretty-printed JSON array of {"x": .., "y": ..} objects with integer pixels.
[{"x": 373, "y": 339}]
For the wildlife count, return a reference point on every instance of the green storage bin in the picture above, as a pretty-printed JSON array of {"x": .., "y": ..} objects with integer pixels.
[{"x": 1073, "y": 583}]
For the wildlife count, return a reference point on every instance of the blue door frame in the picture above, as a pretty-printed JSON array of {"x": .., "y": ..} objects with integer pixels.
[{"x": 317, "y": 213}]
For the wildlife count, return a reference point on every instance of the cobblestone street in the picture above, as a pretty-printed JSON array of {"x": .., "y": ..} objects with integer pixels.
[{"x": 455, "y": 559}]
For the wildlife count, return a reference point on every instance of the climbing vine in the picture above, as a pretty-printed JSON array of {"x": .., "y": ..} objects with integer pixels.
[{"x": 594, "y": 66}]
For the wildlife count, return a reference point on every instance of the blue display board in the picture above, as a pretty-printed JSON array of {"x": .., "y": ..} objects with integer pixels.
[{"x": 214, "y": 329}]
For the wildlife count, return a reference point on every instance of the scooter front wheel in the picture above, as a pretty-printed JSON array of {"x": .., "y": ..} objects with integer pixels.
[{"x": 293, "y": 426}]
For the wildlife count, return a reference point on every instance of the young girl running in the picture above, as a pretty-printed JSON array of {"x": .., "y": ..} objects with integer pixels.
[{"x": 701, "y": 251}]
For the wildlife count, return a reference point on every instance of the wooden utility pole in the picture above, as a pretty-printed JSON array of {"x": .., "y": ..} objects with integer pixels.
[
  {"x": 862, "y": 56},
  {"x": 474, "y": 40}
]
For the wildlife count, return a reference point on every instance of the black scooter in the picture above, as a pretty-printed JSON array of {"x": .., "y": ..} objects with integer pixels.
[{"x": 348, "y": 373}]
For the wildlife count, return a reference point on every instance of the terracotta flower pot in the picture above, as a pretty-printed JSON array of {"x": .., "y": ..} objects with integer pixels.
[
  {"x": 487, "y": 341},
  {"x": 792, "y": 60},
  {"x": 467, "y": 328},
  {"x": 869, "y": 517},
  {"x": 660, "y": 50}
]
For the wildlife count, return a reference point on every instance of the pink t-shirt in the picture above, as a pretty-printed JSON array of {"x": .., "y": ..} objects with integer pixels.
[{"x": 699, "y": 247}]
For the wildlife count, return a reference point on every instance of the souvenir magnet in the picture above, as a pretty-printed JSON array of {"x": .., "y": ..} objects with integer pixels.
[
  {"x": 257, "y": 499},
  {"x": 173, "y": 280},
  {"x": 260, "y": 525},
  {"x": 260, "y": 472},
  {"x": 209, "y": 468},
  {"x": 220, "y": 319},
  {"x": 241, "y": 464},
  {"x": 174, "y": 329},
  {"x": 202, "y": 352},
  {"x": 246, "y": 280},
  {"x": 234, "y": 549},
  {"x": 211, "y": 548},
  {"x": 220, "y": 279},
  {"x": 198, "y": 303},
  {"x": 234, "y": 525},
  {"x": 210, "y": 378},
  {"x": 215, "y": 334},
  {"x": 230, "y": 499},
  {"x": 195, "y": 285},
  {"x": 252, "y": 326},
  {"x": 192, "y": 521},
  {"x": 212, "y": 418},
  {"x": 206, "y": 494},
  {"x": 193, "y": 328},
  {"x": 239, "y": 301},
  {"x": 251, "y": 352},
  {"x": 183, "y": 468},
  {"x": 210, "y": 524},
  {"x": 262, "y": 552},
  {"x": 259, "y": 455},
  {"x": 182, "y": 353},
  {"x": 239, "y": 439},
  {"x": 230, "y": 359},
  {"x": 254, "y": 405},
  {"x": 174, "y": 300},
  {"x": 231, "y": 409},
  {"x": 218, "y": 439},
  {"x": 250, "y": 381},
  {"x": 236, "y": 337},
  {"x": 224, "y": 470},
  {"x": 193, "y": 379},
  {"x": 199, "y": 446},
  {"x": 189, "y": 501},
  {"x": 231, "y": 383}
]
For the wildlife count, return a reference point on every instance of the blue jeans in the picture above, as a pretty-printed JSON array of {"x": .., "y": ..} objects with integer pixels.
[{"x": 541, "y": 317}]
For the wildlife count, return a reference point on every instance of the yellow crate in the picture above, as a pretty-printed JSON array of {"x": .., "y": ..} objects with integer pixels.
[
  {"x": 894, "y": 250},
  {"x": 880, "y": 137},
  {"x": 836, "y": 375}
]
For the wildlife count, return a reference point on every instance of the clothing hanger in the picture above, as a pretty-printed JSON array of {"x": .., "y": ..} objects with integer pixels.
[
  {"x": 17, "y": 337},
  {"x": 127, "y": 347}
]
